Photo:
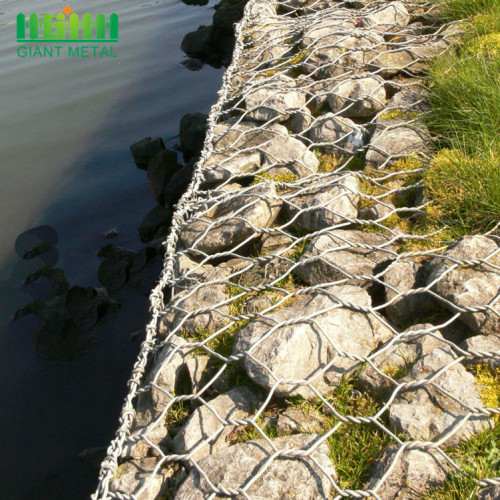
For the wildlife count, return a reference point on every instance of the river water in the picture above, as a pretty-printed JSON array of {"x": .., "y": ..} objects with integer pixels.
[{"x": 66, "y": 128}]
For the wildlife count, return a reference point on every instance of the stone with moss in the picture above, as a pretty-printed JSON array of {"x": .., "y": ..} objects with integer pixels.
[{"x": 485, "y": 350}]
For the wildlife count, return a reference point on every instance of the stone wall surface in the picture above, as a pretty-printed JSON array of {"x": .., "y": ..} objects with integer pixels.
[{"x": 300, "y": 303}]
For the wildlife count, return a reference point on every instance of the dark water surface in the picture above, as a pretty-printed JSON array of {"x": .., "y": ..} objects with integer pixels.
[{"x": 66, "y": 127}]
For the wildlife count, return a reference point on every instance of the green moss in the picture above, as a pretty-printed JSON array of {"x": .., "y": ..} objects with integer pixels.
[{"x": 394, "y": 114}]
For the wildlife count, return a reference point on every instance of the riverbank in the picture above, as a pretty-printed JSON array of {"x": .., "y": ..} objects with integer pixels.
[{"x": 313, "y": 330}]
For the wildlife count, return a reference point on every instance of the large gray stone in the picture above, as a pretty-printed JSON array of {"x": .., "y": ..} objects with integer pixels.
[
  {"x": 220, "y": 167},
  {"x": 487, "y": 344},
  {"x": 415, "y": 472},
  {"x": 393, "y": 139},
  {"x": 470, "y": 286},
  {"x": 402, "y": 277},
  {"x": 491, "y": 493},
  {"x": 324, "y": 203},
  {"x": 428, "y": 414},
  {"x": 295, "y": 420},
  {"x": 232, "y": 221},
  {"x": 274, "y": 100},
  {"x": 396, "y": 358},
  {"x": 335, "y": 133},
  {"x": 283, "y": 478},
  {"x": 337, "y": 51},
  {"x": 343, "y": 254},
  {"x": 136, "y": 478},
  {"x": 388, "y": 17},
  {"x": 358, "y": 97},
  {"x": 303, "y": 347},
  {"x": 195, "y": 437}
]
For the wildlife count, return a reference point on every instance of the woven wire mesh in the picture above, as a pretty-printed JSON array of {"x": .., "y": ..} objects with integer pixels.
[{"x": 301, "y": 257}]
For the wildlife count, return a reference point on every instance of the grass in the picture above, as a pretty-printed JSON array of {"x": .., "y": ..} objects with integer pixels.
[
  {"x": 479, "y": 458},
  {"x": 464, "y": 178}
]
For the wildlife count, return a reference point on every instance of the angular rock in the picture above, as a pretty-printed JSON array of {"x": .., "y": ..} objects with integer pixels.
[
  {"x": 378, "y": 211},
  {"x": 197, "y": 369},
  {"x": 388, "y": 17},
  {"x": 275, "y": 243},
  {"x": 165, "y": 374},
  {"x": 300, "y": 350},
  {"x": 335, "y": 134},
  {"x": 409, "y": 100},
  {"x": 283, "y": 478},
  {"x": 178, "y": 184},
  {"x": 416, "y": 471},
  {"x": 156, "y": 223},
  {"x": 199, "y": 42},
  {"x": 233, "y": 221},
  {"x": 145, "y": 150},
  {"x": 337, "y": 51},
  {"x": 281, "y": 153},
  {"x": 426, "y": 413},
  {"x": 491, "y": 493},
  {"x": 193, "y": 129},
  {"x": 222, "y": 167},
  {"x": 358, "y": 97},
  {"x": 470, "y": 286},
  {"x": 161, "y": 169},
  {"x": 393, "y": 139},
  {"x": 276, "y": 100},
  {"x": 396, "y": 358},
  {"x": 487, "y": 344},
  {"x": 299, "y": 122},
  {"x": 137, "y": 476},
  {"x": 330, "y": 200},
  {"x": 227, "y": 15},
  {"x": 401, "y": 277},
  {"x": 341, "y": 254},
  {"x": 236, "y": 404}
]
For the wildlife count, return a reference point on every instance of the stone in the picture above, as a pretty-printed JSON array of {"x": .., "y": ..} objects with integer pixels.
[
  {"x": 334, "y": 134},
  {"x": 161, "y": 168},
  {"x": 221, "y": 167},
  {"x": 396, "y": 358},
  {"x": 415, "y": 472},
  {"x": 136, "y": 478},
  {"x": 275, "y": 243},
  {"x": 491, "y": 493},
  {"x": 281, "y": 153},
  {"x": 331, "y": 200},
  {"x": 86, "y": 306},
  {"x": 197, "y": 369},
  {"x": 489, "y": 345},
  {"x": 166, "y": 374},
  {"x": 178, "y": 184},
  {"x": 359, "y": 97},
  {"x": 409, "y": 100},
  {"x": 295, "y": 420},
  {"x": 195, "y": 438},
  {"x": 380, "y": 210},
  {"x": 402, "y": 277},
  {"x": 156, "y": 223},
  {"x": 396, "y": 61},
  {"x": 145, "y": 150},
  {"x": 341, "y": 255},
  {"x": 232, "y": 221},
  {"x": 282, "y": 478},
  {"x": 193, "y": 129},
  {"x": 155, "y": 431},
  {"x": 185, "y": 311},
  {"x": 227, "y": 15},
  {"x": 113, "y": 273},
  {"x": 300, "y": 349},
  {"x": 335, "y": 51},
  {"x": 258, "y": 303},
  {"x": 470, "y": 286},
  {"x": 300, "y": 122},
  {"x": 426, "y": 414},
  {"x": 387, "y": 17},
  {"x": 199, "y": 42},
  {"x": 276, "y": 100},
  {"x": 393, "y": 139}
]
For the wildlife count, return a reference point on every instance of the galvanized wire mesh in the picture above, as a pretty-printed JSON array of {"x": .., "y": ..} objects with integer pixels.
[{"x": 303, "y": 255}]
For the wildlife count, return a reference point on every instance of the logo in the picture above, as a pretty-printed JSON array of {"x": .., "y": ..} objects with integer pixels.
[{"x": 67, "y": 28}]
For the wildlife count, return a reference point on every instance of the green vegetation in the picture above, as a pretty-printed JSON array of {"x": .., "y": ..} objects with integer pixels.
[
  {"x": 464, "y": 179},
  {"x": 478, "y": 458}
]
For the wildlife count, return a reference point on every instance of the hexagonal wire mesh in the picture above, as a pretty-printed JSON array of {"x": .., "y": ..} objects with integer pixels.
[{"x": 301, "y": 268}]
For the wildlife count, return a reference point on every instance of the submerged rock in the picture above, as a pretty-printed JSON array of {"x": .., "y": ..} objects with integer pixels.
[{"x": 145, "y": 150}]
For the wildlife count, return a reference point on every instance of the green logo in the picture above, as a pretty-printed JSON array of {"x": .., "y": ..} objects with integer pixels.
[
  {"x": 55, "y": 29},
  {"x": 67, "y": 27}
]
